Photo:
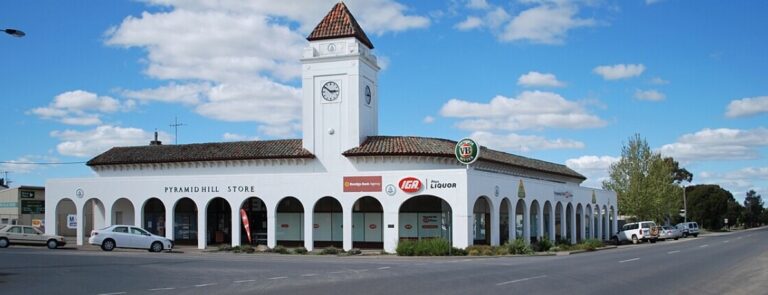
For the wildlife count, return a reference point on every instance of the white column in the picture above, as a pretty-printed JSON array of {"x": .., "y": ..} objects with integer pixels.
[
  {"x": 563, "y": 223},
  {"x": 170, "y": 223},
  {"x": 236, "y": 225},
  {"x": 572, "y": 218},
  {"x": 347, "y": 227},
  {"x": 552, "y": 211},
  {"x": 615, "y": 221},
  {"x": 80, "y": 224},
  {"x": 389, "y": 235},
  {"x": 137, "y": 216},
  {"x": 599, "y": 230},
  {"x": 202, "y": 227},
  {"x": 583, "y": 231},
  {"x": 606, "y": 224},
  {"x": 540, "y": 221},
  {"x": 462, "y": 229},
  {"x": 495, "y": 228},
  {"x": 271, "y": 229},
  {"x": 309, "y": 242},
  {"x": 512, "y": 219}
]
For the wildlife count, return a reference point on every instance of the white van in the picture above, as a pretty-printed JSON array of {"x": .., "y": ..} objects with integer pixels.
[{"x": 689, "y": 229}]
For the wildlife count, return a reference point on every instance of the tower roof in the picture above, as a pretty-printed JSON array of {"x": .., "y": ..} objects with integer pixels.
[{"x": 339, "y": 23}]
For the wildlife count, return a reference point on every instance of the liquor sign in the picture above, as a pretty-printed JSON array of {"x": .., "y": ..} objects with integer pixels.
[
  {"x": 467, "y": 151},
  {"x": 362, "y": 184}
]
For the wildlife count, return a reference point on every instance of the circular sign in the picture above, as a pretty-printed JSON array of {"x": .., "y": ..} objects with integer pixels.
[
  {"x": 79, "y": 193},
  {"x": 372, "y": 226},
  {"x": 316, "y": 225},
  {"x": 408, "y": 226},
  {"x": 467, "y": 151},
  {"x": 410, "y": 184},
  {"x": 390, "y": 189}
]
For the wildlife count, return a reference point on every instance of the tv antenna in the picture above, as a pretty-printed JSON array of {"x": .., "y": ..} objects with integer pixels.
[
  {"x": 175, "y": 125},
  {"x": 6, "y": 181}
]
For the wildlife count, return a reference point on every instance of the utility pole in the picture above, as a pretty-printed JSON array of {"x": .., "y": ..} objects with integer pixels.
[
  {"x": 6, "y": 181},
  {"x": 175, "y": 125}
]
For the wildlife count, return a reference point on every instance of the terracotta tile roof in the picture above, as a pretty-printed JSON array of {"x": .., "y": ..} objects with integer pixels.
[
  {"x": 339, "y": 23},
  {"x": 425, "y": 146},
  {"x": 220, "y": 151}
]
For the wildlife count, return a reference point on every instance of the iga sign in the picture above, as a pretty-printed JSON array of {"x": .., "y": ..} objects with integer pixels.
[
  {"x": 410, "y": 184},
  {"x": 362, "y": 184}
]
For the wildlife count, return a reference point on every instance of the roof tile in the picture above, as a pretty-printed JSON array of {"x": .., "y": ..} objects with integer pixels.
[{"x": 339, "y": 23}]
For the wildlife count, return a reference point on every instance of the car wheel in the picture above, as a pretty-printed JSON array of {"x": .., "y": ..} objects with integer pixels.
[
  {"x": 685, "y": 235},
  {"x": 615, "y": 241},
  {"x": 634, "y": 239},
  {"x": 695, "y": 235},
  {"x": 4, "y": 243},
  {"x": 52, "y": 244},
  {"x": 652, "y": 241},
  {"x": 156, "y": 247},
  {"x": 108, "y": 245}
]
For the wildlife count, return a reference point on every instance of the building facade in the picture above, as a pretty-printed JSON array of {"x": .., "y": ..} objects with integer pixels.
[
  {"x": 341, "y": 184},
  {"x": 23, "y": 205}
]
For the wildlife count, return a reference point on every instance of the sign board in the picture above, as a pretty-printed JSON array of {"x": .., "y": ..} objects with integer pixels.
[
  {"x": 71, "y": 221},
  {"x": 467, "y": 151},
  {"x": 37, "y": 223},
  {"x": 32, "y": 207},
  {"x": 410, "y": 185},
  {"x": 362, "y": 184},
  {"x": 726, "y": 221},
  {"x": 27, "y": 194}
]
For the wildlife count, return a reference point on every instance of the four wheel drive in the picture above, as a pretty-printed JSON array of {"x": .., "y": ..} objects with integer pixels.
[{"x": 637, "y": 232}]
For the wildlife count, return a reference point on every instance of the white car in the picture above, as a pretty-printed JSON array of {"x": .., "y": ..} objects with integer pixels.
[
  {"x": 128, "y": 236},
  {"x": 669, "y": 232},
  {"x": 637, "y": 232}
]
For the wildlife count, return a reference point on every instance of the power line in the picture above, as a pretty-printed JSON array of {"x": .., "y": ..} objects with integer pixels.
[{"x": 41, "y": 163}]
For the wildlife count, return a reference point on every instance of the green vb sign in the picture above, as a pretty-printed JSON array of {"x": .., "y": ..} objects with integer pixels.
[{"x": 467, "y": 151}]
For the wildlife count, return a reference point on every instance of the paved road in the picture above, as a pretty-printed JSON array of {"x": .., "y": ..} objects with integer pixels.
[{"x": 724, "y": 264}]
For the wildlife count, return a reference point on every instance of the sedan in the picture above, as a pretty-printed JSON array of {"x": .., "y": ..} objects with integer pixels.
[
  {"x": 128, "y": 236},
  {"x": 28, "y": 235},
  {"x": 669, "y": 232}
]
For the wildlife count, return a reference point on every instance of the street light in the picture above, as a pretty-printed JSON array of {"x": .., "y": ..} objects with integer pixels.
[
  {"x": 685, "y": 206},
  {"x": 14, "y": 32}
]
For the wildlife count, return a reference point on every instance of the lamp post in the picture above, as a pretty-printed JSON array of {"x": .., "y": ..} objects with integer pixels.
[
  {"x": 685, "y": 206},
  {"x": 14, "y": 32}
]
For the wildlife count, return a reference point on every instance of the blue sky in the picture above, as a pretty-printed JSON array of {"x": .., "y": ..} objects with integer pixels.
[{"x": 563, "y": 81}]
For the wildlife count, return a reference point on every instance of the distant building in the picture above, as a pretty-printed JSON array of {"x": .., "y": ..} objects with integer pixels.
[
  {"x": 22, "y": 205},
  {"x": 341, "y": 184}
]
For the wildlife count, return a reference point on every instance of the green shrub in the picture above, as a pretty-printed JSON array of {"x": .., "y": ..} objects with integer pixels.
[
  {"x": 354, "y": 251},
  {"x": 247, "y": 249},
  {"x": 300, "y": 250},
  {"x": 542, "y": 245},
  {"x": 518, "y": 246},
  {"x": 473, "y": 252},
  {"x": 405, "y": 248},
  {"x": 502, "y": 250},
  {"x": 280, "y": 249},
  {"x": 225, "y": 247},
  {"x": 432, "y": 247},
  {"x": 331, "y": 250},
  {"x": 458, "y": 252},
  {"x": 591, "y": 244}
]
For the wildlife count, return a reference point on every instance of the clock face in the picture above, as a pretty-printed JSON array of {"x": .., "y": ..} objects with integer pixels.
[
  {"x": 331, "y": 91},
  {"x": 368, "y": 96}
]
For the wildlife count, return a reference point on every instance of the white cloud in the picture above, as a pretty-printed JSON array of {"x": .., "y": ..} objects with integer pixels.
[
  {"x": 650, "y": 95},
  {"x": 548, "y": 23},
  {"x": 619, "y": 71},
  {"x": 221, "y": 46},
  {"x": 523, "y": 143},
  {"x": 529, "y": 110},
  {"x": 534, "y": 79},
  {"x": 429, "y": 120},
  {"x": 472, "y": 22},
  {"x": 477, "y": 4},
  {"x": 22, "y": 165},
  {"x": 718, "y": 144},
  {"x": 189, "y": 94},
  {"x": 747, "y": 107},
  {"x": 95, "y": 141},
  {"x": 238, "y": 137},
  {"x": 658, "y": 81},
  {"x": 79, "y": 107},
  {"x": 595, "y": 168}
]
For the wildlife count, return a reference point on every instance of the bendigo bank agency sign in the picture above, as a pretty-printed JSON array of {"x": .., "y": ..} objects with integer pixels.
[{"x": 362, "y": 184}]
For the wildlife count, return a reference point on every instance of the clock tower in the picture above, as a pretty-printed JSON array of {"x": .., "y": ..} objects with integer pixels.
[{"x": 340, "y": 88}]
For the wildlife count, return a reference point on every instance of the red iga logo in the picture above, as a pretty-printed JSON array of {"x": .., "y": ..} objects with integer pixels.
[{"x": 410, "y": 184}]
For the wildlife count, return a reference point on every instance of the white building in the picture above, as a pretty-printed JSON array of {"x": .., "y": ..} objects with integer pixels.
[{"x": 341, "y": 184}]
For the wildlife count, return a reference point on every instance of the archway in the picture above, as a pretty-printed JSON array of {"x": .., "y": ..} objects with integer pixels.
[
  {"x": 218, "y": 216},
  {"x": 547, "y": 221},
  {"x": 596, "y": 222},
  {"x": 185, "y": 222},
  {"x": 535, "y": 221},
  {"x": 520, "y": 222},
  {"x": 123, "y": 212},
  {"x": 328, "y": 221},
  {"x": 559, "y": 229},
  {"x": 289, "y": 222},
  {"x": 424, "y": 217},
  {"x": 367, "y": 223},
  {"x": 154, "y": 216},
  {"x": 504, "y": 221},
  {"x": 256, "y": 213},
  {"x": 94, "y": 217},
  {"x": 579, "y": 223},
  {"x": 606, "y": 227},
  {"x": 66, "y": 218},
  {"x": 482, "y": 222},
  {"x": 588, "y": 222}
]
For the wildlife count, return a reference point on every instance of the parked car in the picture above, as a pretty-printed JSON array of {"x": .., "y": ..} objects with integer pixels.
[
  {"x": 689, "y": 229},
  {"x": 28, "y": 235},
  {"x": 669, "y": 232},
  {"x": 128, "y": 236},
  {"x": 637, "y": 232}
]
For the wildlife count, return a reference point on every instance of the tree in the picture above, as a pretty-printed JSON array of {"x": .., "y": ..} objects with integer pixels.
[
  {"x": 644, "y": 182},
  {"x": 678, "y": 174},
  {"x": 709, "y": 204},
  {"x": 753, "y": 209}
]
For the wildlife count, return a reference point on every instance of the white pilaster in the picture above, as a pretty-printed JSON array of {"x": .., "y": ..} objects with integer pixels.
[
  {"x": 202, "y": 227},
  {"x": 347, "y": 227},
  {"x": 236, "y": 226},
  {"x": 309, "y": 241}
]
